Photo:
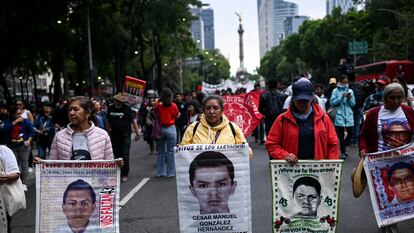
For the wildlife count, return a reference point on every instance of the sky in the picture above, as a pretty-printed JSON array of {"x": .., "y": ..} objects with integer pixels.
[{"x": 226, "y": 25}]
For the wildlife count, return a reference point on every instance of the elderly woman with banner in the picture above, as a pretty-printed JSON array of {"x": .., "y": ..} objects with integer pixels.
[
  {"x": 303, "y": 124},
  {"x": 213, "y": 127},
  {"x": 386, "y": 127}
]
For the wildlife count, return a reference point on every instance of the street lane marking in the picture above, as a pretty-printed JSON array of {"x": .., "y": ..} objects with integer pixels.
[{"x": 124, "y": 200}]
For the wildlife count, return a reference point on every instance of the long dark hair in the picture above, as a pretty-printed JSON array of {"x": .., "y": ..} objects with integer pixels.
[{"x": 166, "y": 96}]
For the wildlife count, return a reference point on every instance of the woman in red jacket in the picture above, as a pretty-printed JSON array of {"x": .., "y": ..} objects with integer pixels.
[{"x": 304, "y": 131}]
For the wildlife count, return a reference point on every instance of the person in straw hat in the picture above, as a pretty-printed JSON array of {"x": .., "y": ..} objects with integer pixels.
[{"x": 119, "y": 120}]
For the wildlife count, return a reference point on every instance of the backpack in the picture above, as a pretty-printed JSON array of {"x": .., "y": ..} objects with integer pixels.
[
  {"x": 231, "y": 127},
  {"x": 274, "y": 103}
]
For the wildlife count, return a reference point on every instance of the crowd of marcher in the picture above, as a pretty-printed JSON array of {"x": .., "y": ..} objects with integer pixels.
[{"x": 303, "y": 121}]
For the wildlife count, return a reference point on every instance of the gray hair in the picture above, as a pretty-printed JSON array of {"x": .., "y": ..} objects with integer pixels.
[{"x": 393, "y": 87}]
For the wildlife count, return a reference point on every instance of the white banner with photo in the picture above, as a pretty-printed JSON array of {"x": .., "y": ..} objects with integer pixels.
[
  {"x": 213, "y": 186},
  {"x": 390, "y": 178},
  {"x": 3, "y": 217},
  {"x": 305, "y": 195},
  {"x": 77, "y": 195}
]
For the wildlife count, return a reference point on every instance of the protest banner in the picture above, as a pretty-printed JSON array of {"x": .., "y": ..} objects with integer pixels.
[
  {"x": 213, "y": 187},
  {"x": 390, "y": 178},
  {"x": 77, "y": 194},
  {"x": 3, "y": 219},
  {"x": 134, "y": 90},
  {"x": 305, "y": 195},
  {"x": 243, "y": 110}
]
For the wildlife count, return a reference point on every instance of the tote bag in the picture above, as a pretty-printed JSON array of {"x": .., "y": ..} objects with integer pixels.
[
  {"x": 13, "y": 195},
  {"x": 156, "y": 127}
]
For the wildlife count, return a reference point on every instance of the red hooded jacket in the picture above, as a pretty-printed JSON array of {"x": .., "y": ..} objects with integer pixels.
[{"x": 283, "y": 137}]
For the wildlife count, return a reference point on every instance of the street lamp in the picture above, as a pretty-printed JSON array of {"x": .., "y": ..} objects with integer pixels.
[{"x": 407, "y": 26}]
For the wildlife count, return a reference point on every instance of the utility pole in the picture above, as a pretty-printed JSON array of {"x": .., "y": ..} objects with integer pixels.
[{"x": 90, "y": 57}]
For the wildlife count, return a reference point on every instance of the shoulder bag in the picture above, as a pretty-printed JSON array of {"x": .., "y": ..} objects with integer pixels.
[
  {"x": 156, "y": 127},
  {"x": 13, "y": 194}
]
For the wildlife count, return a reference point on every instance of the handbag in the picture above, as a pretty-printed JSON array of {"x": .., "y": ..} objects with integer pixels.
[
  {"x": 156, "y": 128},
  {"x": 13, "y": 195},
  {"x": 332, "y": 112}
]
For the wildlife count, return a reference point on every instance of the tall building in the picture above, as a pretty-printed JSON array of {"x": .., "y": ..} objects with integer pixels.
[
  {"x": 292, "y": 24},
  {"x": 345, "y": 5},
  {"x": 202, "y": 28},
  {"x": 272, "y": 15}
]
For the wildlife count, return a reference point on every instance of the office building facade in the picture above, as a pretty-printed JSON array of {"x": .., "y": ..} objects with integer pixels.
[
  {"x": 345, "y": 5},
  {"x": 202, "y": 28},
  {"x": 292, "y": 24},
  {"x": 271, "y": 18}
]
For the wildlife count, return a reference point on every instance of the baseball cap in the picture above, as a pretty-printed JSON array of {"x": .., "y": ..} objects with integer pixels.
[
  {"x": 332, "y": 80},
  {"x": 384, "y": 80},
  {"x": 302, "y": 90}
]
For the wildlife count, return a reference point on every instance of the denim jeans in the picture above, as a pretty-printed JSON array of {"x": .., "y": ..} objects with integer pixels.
[
  {"x": 22, "y": 156},
  {"x": 42, "y": 150},
  {"x": 169, "y": 139}
]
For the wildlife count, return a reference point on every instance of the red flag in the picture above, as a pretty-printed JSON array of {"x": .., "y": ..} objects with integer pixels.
[{"x": 243, "y": 110}]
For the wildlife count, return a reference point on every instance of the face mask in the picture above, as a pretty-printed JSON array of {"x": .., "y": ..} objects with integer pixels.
[{"x": 343, "y": 85}]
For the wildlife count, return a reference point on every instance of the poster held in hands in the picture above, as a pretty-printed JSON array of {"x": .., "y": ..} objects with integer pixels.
[
  {"x": 134, "y": 89},
  {"x": 81, "y": 195},
  {"x": 390, "y": 179},
  {"x": 305, "y": 195},
  {"x": 213, "y": 186}
]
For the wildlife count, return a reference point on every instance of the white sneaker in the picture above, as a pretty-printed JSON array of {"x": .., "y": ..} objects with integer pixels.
[
  {"x": 30, "y": 170},
  {"x": 24, "y": 187}
]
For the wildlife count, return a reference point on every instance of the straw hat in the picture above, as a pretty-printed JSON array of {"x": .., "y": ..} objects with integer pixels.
[
  {"x": 120, "y": 97},
  {"x": 332, "y": 81},
  {"x": 359, "y": 179}
]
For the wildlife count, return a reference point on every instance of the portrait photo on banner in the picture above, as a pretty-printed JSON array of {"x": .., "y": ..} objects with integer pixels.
[
  {"x": 397, "y": 183},
  {"x": 305, "y": 196},
  {"x": 213, "y": 189},
  {"x": 77, "y": 199}
]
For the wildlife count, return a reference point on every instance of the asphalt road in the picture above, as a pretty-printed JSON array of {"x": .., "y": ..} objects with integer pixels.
[{"x": 153, "y": 207}]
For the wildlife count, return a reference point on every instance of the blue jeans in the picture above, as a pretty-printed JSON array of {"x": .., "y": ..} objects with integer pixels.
[
  {"x": 42, "y": 150},
  {"x": 169, "y": 139}
]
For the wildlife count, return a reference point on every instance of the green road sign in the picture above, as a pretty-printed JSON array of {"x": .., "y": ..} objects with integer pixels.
[{"x": 358, "y": 47}]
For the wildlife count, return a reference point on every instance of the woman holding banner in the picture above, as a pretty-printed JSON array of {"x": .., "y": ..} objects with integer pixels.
[
  {"x": 386, "y": 127},
  {"x": 81, "y": 139},
  {"x": 304, "y": 124},
  {"x": 213, "y": 127}
]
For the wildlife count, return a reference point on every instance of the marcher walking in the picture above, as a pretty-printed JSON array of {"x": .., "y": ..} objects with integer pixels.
[
  {"x": 387, "y": 126},
  {"x": 167, "y": 113},
  {"x": 343, "y": 99},
  {"x": 119, "y": 118},
  {"x": 21, "y": 134},
  {"x": 213, "y": 127},
  {"x": 304, "y": 131}
]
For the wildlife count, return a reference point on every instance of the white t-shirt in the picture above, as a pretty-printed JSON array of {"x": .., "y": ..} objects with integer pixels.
[
  {"x": 393, "y": 129},
  {"x": 8, "y": 160}
]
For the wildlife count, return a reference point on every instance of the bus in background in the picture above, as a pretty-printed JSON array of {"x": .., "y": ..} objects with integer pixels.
[{"x": 390, "y": 69}]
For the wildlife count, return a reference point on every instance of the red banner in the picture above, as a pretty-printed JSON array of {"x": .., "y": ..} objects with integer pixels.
[{"x": 243, "y": 110}]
